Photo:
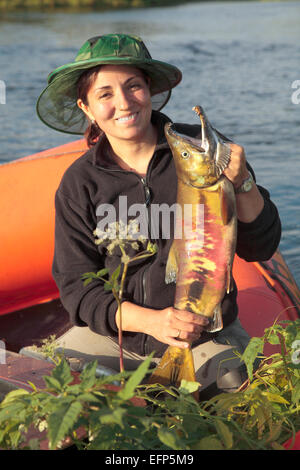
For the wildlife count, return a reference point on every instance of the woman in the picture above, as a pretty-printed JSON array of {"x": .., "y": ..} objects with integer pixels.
[{"x": 117, "y": 88}]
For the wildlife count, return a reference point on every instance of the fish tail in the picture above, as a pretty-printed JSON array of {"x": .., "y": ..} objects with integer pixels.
[{"x": 175, "y": 365}]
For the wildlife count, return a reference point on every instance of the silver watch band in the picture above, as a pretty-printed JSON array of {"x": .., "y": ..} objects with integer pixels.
[{"x": 246, "y": 185}]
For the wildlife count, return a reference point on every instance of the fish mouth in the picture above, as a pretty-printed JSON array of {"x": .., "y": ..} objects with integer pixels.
[
  {"x": 195, "y": 142},
  {"x": 209, "y": 142},
  {"x": 213, "y": 143}
]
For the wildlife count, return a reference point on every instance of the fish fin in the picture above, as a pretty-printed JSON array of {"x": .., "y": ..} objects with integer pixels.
[
  {"x": 222, "y": 157},
  {"x": 175, "y": 365},
  {"x": 217, "y": 321},
  {"x": 171, "y": 267}
]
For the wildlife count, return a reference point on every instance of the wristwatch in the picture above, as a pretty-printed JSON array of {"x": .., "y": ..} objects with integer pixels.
[{"x": 246, "y": 185}]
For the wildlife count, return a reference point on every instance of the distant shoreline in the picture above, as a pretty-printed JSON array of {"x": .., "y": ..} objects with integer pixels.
[
  {"x": 50, "y": 5},
  {"x": 58, "y": 5}
]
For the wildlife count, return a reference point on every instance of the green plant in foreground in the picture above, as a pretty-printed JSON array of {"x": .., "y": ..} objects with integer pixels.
[
  {"x": 122, "y": 237},
  {"x": 262, "y": 415}
]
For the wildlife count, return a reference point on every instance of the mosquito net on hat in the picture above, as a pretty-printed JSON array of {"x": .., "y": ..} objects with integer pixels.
[{"x": 57, "y": 104}]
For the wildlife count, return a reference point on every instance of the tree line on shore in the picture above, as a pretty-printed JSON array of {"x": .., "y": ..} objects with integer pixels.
[
  {"x": 49, "y": 4},
  {"x": 90, "y": 4}
]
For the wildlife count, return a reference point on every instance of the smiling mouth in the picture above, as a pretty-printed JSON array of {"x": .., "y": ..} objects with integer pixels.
[{"x": 127, "y": 118}]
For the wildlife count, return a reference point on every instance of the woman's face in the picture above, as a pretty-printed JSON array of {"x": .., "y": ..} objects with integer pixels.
[{"x": 119, "y": 101}]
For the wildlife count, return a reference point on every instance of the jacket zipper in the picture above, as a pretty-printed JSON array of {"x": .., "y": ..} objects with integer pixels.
[
  {"x": 146, "y": 191},
  {"x": 147, "y": 194},
  {"x": 147, "y": 203}
]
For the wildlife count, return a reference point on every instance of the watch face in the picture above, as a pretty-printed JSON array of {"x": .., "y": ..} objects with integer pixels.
[{"x": 247, "y": 186}]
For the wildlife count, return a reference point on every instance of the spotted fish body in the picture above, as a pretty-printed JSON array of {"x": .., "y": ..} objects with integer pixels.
[{"x": 200, "y": 261}]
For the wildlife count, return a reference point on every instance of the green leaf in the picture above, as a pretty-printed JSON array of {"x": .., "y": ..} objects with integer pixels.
[
  {"x": 19, "y": 392},
  {"x": 296, "y": 393},
  {"x": 88, "y": 375},
  {"x": 169, "y": 438},
  {"x": 255, "y": 346},
  {"x": 88, "y": 277},
  {"x": 224, "y": 433},
  {"x": 108, "y": 286},
  {"x": 151, "y": 247},
  {"x": 87, "y": 397},
  {"x": 61, "y": 421},
  {"x": 209, "y": 443},
  {"x": 293, "y": 366},
  {"x": 32, "y": 385},
  {"x": 102, "y": 272},
  {"x": 188, "y": 387},
  {"x": 15, "y": 437},
  {"x": 62, "y": 373},
  {"x": 275, "y": 398},
  {"x": 52, "y": 383},
  {"x": 115, "y": 274},
  {"x": 11, "y": 410},
  {"x": 114, "y": 417},
  {"x": 129, "y": 389}
]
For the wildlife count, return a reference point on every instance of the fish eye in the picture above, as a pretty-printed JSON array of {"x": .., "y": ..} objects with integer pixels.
[{"x": 185, "y": 154}]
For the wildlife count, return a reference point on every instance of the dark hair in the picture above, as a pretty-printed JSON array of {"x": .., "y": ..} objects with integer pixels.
[{"x": 86, "y": 80}]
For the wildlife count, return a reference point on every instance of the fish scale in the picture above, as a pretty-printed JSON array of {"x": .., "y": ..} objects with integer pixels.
[{"x": 200, "y": 261}]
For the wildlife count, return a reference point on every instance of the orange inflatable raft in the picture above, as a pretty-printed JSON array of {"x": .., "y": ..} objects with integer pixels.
[
  {"x": 28, "y": 185},
  {"x": 30, "y": 309}
]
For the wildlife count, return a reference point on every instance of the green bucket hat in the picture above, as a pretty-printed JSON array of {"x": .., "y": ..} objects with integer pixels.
[{"x": 57, "y": 104}]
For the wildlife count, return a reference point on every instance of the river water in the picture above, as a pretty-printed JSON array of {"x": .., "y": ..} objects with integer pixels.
[{"x": 240, "y": 60}]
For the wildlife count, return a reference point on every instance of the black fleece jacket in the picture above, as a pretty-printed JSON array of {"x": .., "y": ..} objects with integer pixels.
[{"x": 93, "y": 180}]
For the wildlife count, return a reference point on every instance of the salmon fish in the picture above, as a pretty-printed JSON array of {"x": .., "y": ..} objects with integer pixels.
[{"x": 200, "y": 260}]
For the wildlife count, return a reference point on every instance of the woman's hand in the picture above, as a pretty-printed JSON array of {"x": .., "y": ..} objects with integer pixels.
[
  {"x": 170, "y": 326},
  {"x": 249, "y": 205},
  {"x": 237, "y": 170},
  {"x": 176, "y": 327}
]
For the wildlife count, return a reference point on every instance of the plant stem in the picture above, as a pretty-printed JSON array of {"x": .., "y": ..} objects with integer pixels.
[
  {"x": 119, "y": 315},
  {"x": 119, "y": 295}
]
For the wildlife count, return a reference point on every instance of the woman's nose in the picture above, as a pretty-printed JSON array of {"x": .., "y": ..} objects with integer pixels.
[{"x": 123, "y": 100}]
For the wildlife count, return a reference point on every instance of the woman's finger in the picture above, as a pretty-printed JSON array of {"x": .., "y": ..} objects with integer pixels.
[{"x": 237, "y": 170}]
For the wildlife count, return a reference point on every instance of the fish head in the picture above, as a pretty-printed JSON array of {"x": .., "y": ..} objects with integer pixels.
[{"x": 200, "y": 160}]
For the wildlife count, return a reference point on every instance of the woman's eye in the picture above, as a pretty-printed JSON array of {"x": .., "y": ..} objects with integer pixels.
[
  {"x": 185, "y": 155},
  {"x": 103, "y": 97},
  {"x": 135, "y": 86}
]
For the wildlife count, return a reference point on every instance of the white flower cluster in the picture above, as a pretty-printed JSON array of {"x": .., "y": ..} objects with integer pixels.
[{"x": 118, "y": 233}]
